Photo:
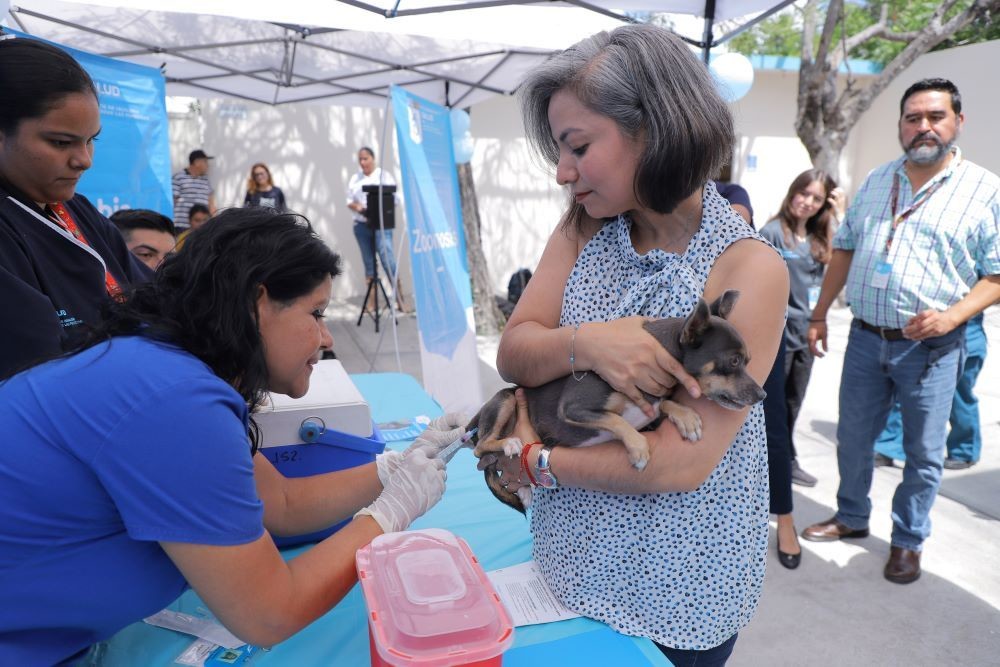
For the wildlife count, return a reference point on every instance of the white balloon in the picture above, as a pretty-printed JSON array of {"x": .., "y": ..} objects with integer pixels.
[
  {"x": 460, "y": 122},
  {"x": 733, "y": 74},
  {"x": 462, "y": 147}
]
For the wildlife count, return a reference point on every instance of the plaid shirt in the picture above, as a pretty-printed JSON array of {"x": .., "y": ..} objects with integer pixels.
[{"x": 937, "y": 253}]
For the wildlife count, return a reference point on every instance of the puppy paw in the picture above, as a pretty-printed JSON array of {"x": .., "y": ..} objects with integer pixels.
[
  {"x": 640, "y": 462},
  {"x": 512, "y": 447},
  {"x": 488, "y": 446},
  {"x": 687, "y": 421},
  {"x": 524, "y": 493}
]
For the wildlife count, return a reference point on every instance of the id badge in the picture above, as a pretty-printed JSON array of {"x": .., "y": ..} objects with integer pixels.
[
  {"x": 813, "y": 297},
  {"x": 881, "y": 278}
]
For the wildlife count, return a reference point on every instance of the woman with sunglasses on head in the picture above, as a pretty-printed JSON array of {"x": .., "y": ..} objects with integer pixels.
[
  {"x": 261, "y": 191},
  {"x": 61, "y": 261}
]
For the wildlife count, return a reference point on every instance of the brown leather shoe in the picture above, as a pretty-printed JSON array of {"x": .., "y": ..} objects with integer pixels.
[
  {"x": 903, "y": 566},
  {"x": 830, "y": 530}
]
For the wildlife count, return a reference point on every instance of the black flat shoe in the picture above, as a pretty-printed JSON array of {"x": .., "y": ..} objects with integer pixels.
[{"x": 790, "y": 561}]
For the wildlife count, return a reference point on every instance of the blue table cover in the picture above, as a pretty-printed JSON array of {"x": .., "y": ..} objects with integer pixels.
[{"x": 498, "y": 536}]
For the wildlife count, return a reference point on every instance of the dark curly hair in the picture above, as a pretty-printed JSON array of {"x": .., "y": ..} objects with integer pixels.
[{"x": 204, "y": 298}]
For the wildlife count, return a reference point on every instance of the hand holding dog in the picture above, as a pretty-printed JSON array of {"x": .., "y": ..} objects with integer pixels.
[
  {"x": 510, "y": 466},
  {"x": 631, "y": 360}
]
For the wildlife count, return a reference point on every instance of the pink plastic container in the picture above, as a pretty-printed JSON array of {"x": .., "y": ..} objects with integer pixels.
[{"x": 430, "y": 604}]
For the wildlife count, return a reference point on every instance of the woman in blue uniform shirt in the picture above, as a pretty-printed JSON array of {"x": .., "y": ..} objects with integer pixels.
[
  {"x": 127, "y": 471},
  {"x": 60, "y": 260}
]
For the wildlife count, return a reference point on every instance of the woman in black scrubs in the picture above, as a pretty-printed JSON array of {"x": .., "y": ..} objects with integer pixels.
[{"x": 60, "y": 260}]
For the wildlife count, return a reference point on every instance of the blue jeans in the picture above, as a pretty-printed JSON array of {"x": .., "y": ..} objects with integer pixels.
[
  {"x": 384, "y": 241},
  {"x": 713, "y": 657},
  {"x": 922, "y": 376},
  {"x": 965, "y": 441}
]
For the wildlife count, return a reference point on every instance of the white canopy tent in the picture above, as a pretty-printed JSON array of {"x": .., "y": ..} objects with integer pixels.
[{"x": 347, "y": 52}]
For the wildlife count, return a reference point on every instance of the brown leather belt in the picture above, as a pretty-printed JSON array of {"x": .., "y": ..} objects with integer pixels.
[{"x": 886, "y": 334}]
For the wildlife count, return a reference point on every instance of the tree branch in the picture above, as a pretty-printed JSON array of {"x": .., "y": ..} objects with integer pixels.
[
  {"x": 808, "y": 31},
  {"x": 927, "y": 39},
  {"x": 833, "y": 11}
]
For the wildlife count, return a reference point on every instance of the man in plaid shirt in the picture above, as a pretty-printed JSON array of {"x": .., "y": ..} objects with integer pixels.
[{"x": 908, "y": 252}]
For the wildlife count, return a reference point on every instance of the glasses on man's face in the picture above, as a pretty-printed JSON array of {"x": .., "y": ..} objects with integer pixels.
[{"x": 258, "y": 174}]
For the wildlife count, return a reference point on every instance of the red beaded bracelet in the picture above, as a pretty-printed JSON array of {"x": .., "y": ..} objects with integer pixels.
[{"x": 524, "y": 462}]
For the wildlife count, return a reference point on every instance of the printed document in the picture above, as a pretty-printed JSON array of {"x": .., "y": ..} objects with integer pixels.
[{"x": 526, "y": 596}]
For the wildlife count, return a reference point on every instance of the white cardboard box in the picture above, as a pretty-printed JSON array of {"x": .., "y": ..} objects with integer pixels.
[{"x": 332, "y": 397}]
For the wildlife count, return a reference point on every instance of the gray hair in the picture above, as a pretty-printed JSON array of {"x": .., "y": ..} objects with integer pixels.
[{"x": 654, "y": 88}]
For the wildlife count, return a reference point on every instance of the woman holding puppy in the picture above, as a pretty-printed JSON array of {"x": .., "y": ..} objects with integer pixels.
[{"x": 634, "y": 128}]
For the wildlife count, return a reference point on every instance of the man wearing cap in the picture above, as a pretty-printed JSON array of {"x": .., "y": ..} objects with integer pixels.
[{"x": 191, "y": 186}]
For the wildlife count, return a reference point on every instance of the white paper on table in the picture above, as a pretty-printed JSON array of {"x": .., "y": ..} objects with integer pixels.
[
  {"x": 527, "y": 597},
  {"x": 192, "y": 625}
]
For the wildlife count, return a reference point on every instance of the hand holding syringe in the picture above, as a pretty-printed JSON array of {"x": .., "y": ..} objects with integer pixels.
[{"x": 448, "y": 452}]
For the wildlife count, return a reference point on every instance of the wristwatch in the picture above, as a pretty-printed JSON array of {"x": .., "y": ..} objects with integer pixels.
[{"x": 543, "y": 473}]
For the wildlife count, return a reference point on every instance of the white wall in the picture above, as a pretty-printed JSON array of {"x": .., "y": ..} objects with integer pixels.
[
  {"x": 768, "y": 154},
  {"x": 311, "y": 151},
  {"x": 519, "y": 201}
]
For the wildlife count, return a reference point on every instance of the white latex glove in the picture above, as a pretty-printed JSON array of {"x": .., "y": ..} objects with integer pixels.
[
  {"x": 449, "y": 421},
  {"x": 441, "y": 432},
  {"x": 387, "y": 463},
  {"x": 416, "y": 486}
]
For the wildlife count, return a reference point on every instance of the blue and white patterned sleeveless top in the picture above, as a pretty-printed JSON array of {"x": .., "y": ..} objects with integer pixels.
[{"x": 683, "y": 569}]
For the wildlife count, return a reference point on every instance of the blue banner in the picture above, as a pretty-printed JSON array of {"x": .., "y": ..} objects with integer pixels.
[
  {"x": 442, "y": 290},
  {"x": 132, "y": 155}
]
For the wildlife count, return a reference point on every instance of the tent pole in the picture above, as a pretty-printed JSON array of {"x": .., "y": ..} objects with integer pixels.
[{"x": 706, "y": 38}]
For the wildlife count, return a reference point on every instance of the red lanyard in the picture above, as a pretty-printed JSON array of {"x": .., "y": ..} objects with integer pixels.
[
  {"x": 69, "y": 224},
  {"x": 897, "y": 220}
]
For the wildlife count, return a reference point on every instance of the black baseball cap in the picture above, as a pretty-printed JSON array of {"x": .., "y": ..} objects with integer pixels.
[{"x": 198, "y": 155}]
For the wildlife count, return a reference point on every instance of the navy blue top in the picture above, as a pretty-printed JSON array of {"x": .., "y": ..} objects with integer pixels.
[
  {"x": 273, "y": 198},
  {"x": 49, "y": 287},
  {"x": 735, "y": 194}
]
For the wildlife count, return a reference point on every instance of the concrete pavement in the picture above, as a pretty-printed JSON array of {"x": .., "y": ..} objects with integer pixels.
[{"x": 835, "y": 609}]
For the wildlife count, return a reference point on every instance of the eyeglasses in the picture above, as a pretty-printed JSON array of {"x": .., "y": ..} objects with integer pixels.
[{"x": 259, "y": 173}]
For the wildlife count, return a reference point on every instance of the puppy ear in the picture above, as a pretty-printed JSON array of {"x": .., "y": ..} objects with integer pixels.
[
  {"x": 695, "y": 324},
  {"x": 722, "y": 306}
]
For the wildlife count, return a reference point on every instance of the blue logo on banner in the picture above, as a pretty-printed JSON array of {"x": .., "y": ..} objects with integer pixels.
[
  {"x": 132, "y": 158},
  {"x": 434, "y": 214}
]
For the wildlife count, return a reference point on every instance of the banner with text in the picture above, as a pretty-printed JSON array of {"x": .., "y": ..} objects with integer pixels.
[
  {"x": 132, "y": 155},
  {"x": 441, "y": 285}
]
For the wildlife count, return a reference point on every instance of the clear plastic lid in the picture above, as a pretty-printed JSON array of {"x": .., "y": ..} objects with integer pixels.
[{"x": 429, "y": 602}]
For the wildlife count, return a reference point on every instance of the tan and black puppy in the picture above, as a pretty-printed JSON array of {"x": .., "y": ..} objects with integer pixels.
[{"x": 586, "y": 412}]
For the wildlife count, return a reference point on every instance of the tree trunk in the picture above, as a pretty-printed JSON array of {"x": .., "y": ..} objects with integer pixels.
[{"x": 489, "y": 319}]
